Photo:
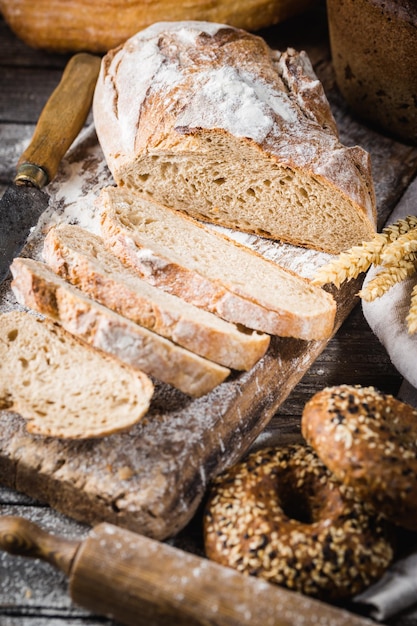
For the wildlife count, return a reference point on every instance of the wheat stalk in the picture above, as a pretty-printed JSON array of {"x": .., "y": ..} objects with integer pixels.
[
  {"x": 387, "y": 277},
  {"x": 349, "y": 264},
  {"x": 394, "y": 250},
  {"x": 400, "y": 248},
  {"x": 358, "y": 259}
]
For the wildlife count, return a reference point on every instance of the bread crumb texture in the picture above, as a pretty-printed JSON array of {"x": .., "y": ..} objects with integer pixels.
[
  {"x": 181, "y": 255},
  {"x": 61, "y": 386},
  {"x": 82, "y": 258},
  {"x": 38, "y": 287}
]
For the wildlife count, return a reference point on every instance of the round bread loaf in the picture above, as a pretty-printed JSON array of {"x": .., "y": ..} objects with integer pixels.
[
  {"x": 369, "y": 441},
  {"x": 281, "y": 515},
  {"x": 95, "y": 26}
]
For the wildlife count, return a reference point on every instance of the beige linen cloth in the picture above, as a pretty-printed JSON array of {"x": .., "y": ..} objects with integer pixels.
[
  {"x": 396, "y": 591},
  {"x": 386, "y": 315}
]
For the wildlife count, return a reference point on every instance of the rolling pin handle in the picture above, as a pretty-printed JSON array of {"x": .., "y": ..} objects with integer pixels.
[{"x": 21, "y": 537}]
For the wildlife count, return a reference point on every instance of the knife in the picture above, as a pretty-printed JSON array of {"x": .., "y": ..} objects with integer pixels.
[
  {"x": 139, "y": 581},
  {"x": 407, "y": 393},
  {"x": 61, "y": 120}
]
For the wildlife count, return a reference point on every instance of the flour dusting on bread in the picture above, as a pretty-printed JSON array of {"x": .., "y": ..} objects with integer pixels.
[{"x": 207, "y": 119}]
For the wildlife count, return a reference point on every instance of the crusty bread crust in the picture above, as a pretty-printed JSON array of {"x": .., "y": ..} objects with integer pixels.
[
  {"x": 61, "y": 386},
  {"x": 81, "y": 258},
  {"x": 207, "y": 119},
  {"x": 284, "y": 504},
  {"x": 182, "y": 256},
  {"x": 368, "y": 440},
  {"x": 38, "y": 287}
]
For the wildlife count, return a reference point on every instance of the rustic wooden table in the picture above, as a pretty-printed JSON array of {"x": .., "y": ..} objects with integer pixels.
[{"x": 33, "y": 593}]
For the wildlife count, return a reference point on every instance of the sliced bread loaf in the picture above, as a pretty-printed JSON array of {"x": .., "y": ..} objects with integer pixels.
[
  {"x": 186, "y": 258},
  {"x": 81, "y": 258},
  {"x": 61, "y": 386},
  {"x": 36, "y": 286},
  {"x": 207, "y": 119}
]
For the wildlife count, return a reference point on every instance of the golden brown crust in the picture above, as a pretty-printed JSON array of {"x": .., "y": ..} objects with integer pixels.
[
  {"x": 160, "y": 244},
  {"x": 81, "y": 258},
  {"x": 38, "y": 287},
  {"x": 369, "y": 441},
  {"x": 212, "y": 99},
  {"x": 281, "y": 515},
  {"x": 379, "y": 81},
  {"x": 98, "y": 26}
]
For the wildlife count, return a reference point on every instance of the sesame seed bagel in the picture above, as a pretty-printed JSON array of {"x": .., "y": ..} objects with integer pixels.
[
  {"x": 368, "y": 439},
  {"x": 282, "y": 516}
]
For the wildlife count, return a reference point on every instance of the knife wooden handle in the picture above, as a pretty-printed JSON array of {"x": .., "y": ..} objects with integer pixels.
[
  {"x": 140, "y": 581},
  {"x": 61, "y": 120}
]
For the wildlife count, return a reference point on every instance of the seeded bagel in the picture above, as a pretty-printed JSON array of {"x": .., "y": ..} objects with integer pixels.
[
  {"x": 282, "y": 516},
  {"x": 368, "y": 439}
]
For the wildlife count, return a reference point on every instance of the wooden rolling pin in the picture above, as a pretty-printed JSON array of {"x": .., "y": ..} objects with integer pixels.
[{"x": 139, "y": 581}]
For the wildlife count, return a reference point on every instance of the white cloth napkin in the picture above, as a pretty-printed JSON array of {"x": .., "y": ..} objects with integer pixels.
[
  {"x": 396, "y": 591},
  {"x": 386, "y": 315}
]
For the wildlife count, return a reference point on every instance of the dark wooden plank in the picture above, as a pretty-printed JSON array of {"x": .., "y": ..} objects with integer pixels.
[
  {"x": 354, "y": 356},
  {"x": 13, "y": 52},
  {"x": 24, "y": 92},
  {"x": 11, "y": 497},
  {"x": 34, "y": 588},
  {"x": 50, "y": 618}
]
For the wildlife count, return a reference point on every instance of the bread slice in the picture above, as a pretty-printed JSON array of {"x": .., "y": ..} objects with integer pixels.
[
  {"x": 61, "y": 386},
  {"x": 81, "y": 258},
  {"x": 36, "y": 286},
  {"x": 207, "y": 119},
  {"x": 192, "y": 261}
]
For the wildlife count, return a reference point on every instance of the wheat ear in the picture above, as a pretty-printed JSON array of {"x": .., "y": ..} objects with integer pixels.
[
  {"x": 400, "y": 227},
  {"x": 400, "y": 248},
  {"x": 387, "y": 277},
  {"x": 358, "y": 259},
  {"x": 349, "y": 264}
]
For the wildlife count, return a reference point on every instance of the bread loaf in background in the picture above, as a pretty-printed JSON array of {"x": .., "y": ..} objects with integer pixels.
[
  {"x": 91, "y": 25},
  {"x": 207, "y": 119},
  {"x": 378, "y": 81}
]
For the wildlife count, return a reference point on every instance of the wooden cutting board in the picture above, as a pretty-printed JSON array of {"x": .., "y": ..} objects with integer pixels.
[{"x": 152, "y": 478}]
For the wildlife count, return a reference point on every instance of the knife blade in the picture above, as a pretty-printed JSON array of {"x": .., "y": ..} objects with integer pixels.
[
  {"x": 60, "y": 121},
  {"x": 407, "y": 393}
]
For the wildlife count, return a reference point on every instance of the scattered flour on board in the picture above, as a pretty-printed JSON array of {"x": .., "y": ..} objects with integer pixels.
[{"x": 82, "y": 175}]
